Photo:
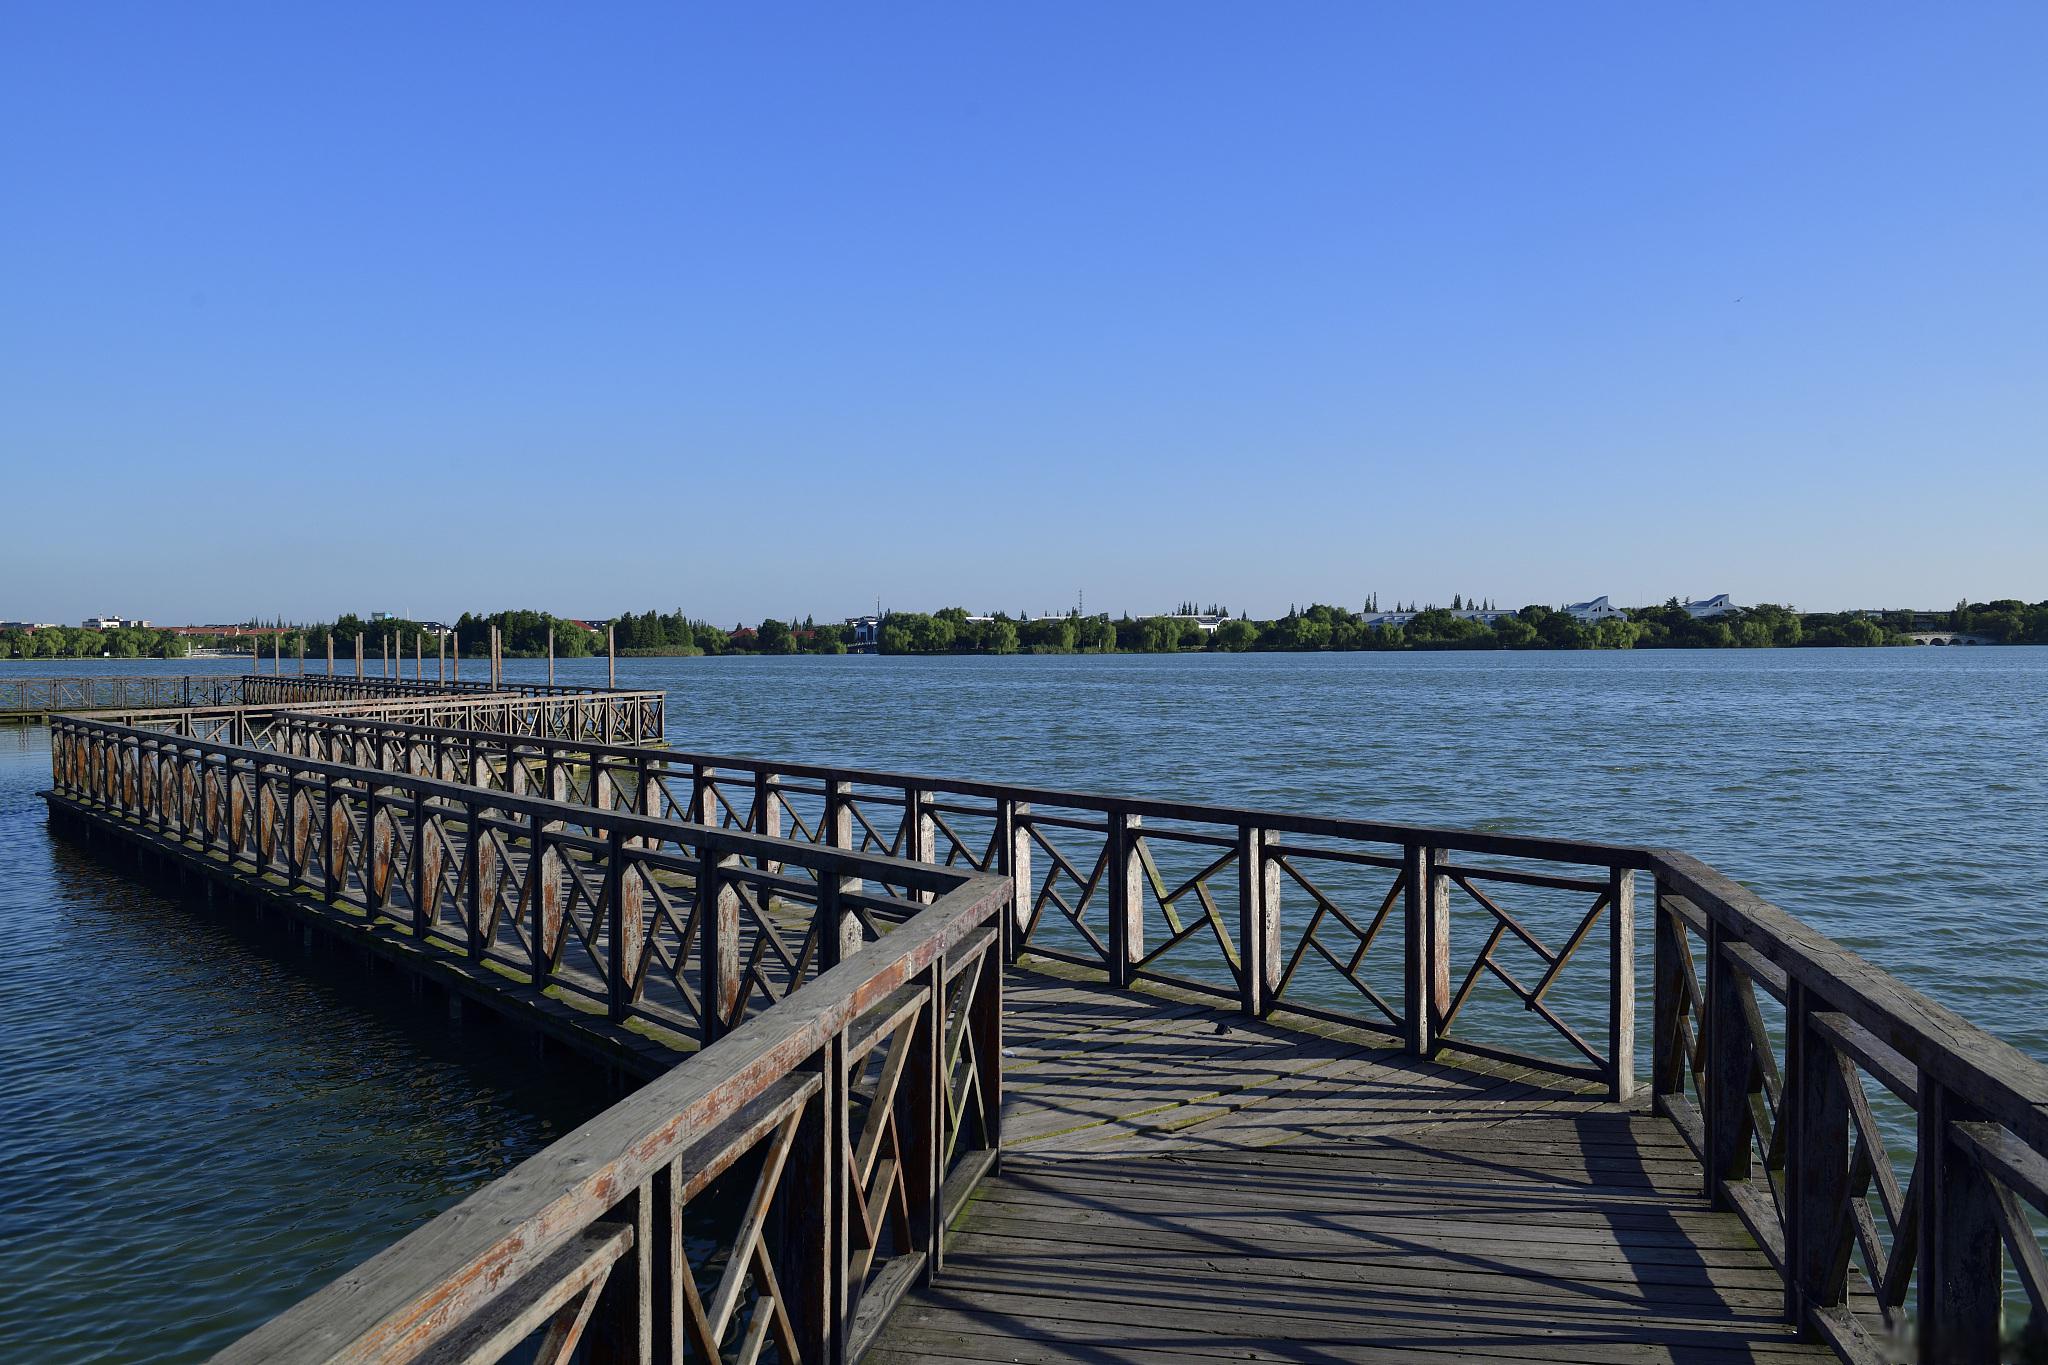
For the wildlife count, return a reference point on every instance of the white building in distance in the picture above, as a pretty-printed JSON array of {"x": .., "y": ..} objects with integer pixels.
[
  {"x": 1599, "y": 609},
  {"x": 1717, "y": 605}
]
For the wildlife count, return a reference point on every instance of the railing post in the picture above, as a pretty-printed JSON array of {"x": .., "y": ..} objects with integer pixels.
[
  {"x": 811, "y": 1246},
  {"x": 1258, "y": 921},
  {"x": 919, "y": 1120},
  {"x": 767, "y": 812},
  {"x": 426, "y": 861},
  {"x": 718, "y": 904},
  {"x": 1124, "y": 870},
  {"x": 920, "y": 834},
  {"x": 1816, "y": 1105},
  {"x": 1621, "y": 984},
  {"x": 543, "y": 902},
  {"x": 473, "y": 882},
  {"x": 836, "y": 825},
  {"x": 839, "y": 932},
  {"x": 624, "y": 898},
  {"x": 1961, "y": 1268},
  {"x": 704, "y": 796},
  {"x": 1426, "y": 975},
  {"x": 1728, "y": 1069},
  {"x": 1667, "y": 993},
  {"x": 1013, "y": 854}
]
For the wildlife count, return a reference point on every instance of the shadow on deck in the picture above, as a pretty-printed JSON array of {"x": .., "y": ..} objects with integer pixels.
[{"x": 1180, "y": 1184}]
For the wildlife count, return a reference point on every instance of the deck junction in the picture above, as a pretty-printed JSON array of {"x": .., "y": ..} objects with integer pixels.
[{"x": 926, "y": 1070}]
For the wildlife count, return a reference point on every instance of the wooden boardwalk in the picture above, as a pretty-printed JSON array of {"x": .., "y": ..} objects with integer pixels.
[
  {"x": 1181, "y": 1176},
  {"x": 1181, "y": 1184}
]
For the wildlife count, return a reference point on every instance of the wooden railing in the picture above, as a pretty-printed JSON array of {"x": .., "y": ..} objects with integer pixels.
[
  {"x": 1889, "y": 1156},
  {"x": 613, "y": 717},
  {"x": 816, "y": 1148},
  {"x": 1410, "y": 931},
  {"x": 293, "y": 687},
  {"x": 1887, "y": 1153},
  {"x": 49, "y": 696}
]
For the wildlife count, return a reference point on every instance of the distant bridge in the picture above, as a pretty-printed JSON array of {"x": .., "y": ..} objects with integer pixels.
[{"x": 1949, "y": 637}]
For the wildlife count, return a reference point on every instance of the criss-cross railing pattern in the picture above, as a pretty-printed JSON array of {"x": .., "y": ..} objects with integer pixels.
[
  {"x": 1886, "y": 1155},
  {"x": 688, "y": 927},
  {"x": 771, "y": 1200},
  {"x": 47, "y": 696},
  {"x": 1434, "y": 937}
]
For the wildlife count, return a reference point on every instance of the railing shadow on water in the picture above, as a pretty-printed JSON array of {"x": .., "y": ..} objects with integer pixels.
[{"x": 1401, "y": 929}]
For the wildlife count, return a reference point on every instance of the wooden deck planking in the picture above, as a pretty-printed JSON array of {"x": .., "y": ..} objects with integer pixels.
[{"x": 1180, "y": 1183}]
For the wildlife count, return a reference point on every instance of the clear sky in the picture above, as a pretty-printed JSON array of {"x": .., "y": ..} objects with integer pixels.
[{"x": 778, "y": 308}]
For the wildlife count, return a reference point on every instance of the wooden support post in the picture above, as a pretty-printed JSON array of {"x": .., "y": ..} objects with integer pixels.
[
  {"x": 1125, "y": 872},
  {"x": 987, "y": 1026},
  {"x": 919, "y": 1125},
  {"x": 920, "y": 834},
  {"x": 426, "y": 863},
  {"x": 1668, "y": 1008},
  {"x": 1961, "y": 1266},
  {"x": 455, "y": 657},
  {"x": 543, "y": 901},
  {"x": 767, "y": 812},
  {"x": 419, "y": 657},
  {"x": 302, "y": 654},
  {"x": 1621, "y": 984},
  {"x": 839, "y": 929},
  {"x": 441, "y": 656},
  {"x": 812, "y": 1231},
  {"x": 611, "y": 655},
  {"x": 1013, "y": 854},
  {"x": 1816, "y": 1105},
  {"x": 1258, "y": 921},
  {"x": 1729, "y": 1067},
  {"x": 473, "y": 882},
  {"x": 719, "y": 922},
  {"x": 551, "y": 656},
  {"x": 387, "y": 653},
  {"x": 359, "y": 654},
  {"x": 1426, "y": 924},
  {"x": 625, "y": 898},
  {"x": 330, "y": 654}
]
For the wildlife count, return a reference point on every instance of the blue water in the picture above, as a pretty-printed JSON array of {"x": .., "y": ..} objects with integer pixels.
[{"x": 197, "y": 1136}]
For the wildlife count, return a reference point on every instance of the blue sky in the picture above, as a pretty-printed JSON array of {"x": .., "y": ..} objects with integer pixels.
[{"x": 780, "y": 309}]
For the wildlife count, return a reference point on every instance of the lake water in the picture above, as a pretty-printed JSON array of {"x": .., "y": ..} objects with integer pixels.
[{"x": 186, "y": 1122}]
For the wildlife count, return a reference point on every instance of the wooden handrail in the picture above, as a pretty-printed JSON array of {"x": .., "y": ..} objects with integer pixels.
[{"x": 1767, "y": 1036}]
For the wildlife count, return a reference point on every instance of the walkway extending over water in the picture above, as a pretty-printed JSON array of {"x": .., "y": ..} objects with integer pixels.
[{"x": 1131, "y": 1168}]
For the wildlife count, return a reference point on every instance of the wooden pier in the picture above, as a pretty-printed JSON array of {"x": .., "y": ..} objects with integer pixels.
[{"x": 942, "y": 1070}]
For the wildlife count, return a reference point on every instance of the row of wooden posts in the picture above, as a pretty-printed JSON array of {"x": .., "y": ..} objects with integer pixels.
[{"x": 448, "y": 662}]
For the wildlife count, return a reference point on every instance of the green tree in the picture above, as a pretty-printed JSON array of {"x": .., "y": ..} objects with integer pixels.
[{"x": 1235, "y": 637}]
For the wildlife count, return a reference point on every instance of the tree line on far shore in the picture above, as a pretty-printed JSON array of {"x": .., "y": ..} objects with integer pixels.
[{"x": 952, "y": 631}]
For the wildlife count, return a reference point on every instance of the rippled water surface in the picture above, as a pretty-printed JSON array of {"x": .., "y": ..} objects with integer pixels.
[
  {"x": 193, "y": 1131},
  {"x": 196, "y": 1129}
]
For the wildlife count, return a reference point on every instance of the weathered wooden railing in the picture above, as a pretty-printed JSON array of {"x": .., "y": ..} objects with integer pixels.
[
  {"x": 1160, "y": 890},
  {"x": 50, "y": 696},
  {"x": 614, "y": 717},
  {"x": 296, "y": 687},
  {"x": 827, "y": 1137},
  {"x": 1878, "y": 1250},
  {"x": 1889, "y": 1156},
  {"x": 685, "y": 926}
]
